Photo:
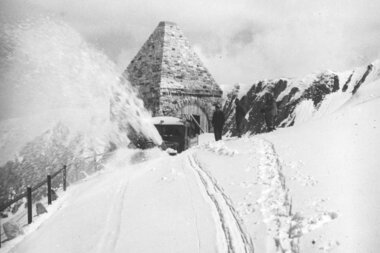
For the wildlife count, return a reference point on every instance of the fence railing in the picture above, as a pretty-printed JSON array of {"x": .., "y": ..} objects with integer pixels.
[
  {"x": 30, "y": 189},
  {"x": 47, "y": 181}
]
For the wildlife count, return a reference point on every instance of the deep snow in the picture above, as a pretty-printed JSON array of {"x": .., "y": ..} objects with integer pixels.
[{"x": 311, "y": 187}]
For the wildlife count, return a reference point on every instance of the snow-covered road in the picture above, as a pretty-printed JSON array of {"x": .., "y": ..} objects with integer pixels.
[
  {"x": 168, "y": 204},
  {"x": 231, "y": 235},
  {"x": 238, "y": 195}
]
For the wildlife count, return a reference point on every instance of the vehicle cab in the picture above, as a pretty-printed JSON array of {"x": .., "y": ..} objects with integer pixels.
[{"x": 176, "y": 133}]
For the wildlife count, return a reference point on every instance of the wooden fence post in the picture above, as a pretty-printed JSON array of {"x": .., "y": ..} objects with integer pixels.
[
  {"x": 48, "y": 180},
  {"x": 29, "y": 200},
  {"x": 64, "y": 173}
]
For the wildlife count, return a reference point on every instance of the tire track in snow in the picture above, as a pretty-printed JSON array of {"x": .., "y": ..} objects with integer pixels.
[
  {"x": 110, "y": 235},
  {"x": 195, "y": 213},
  {"x": 235, "y": 239}
]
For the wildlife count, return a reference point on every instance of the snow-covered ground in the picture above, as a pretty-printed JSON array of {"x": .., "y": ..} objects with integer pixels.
[
  {"x": 308, "y": 188},
  {"x": 331, "y": 163}
]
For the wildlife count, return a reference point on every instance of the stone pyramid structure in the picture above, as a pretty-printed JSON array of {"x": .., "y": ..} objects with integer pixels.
[{"x": 170, "y": 77}]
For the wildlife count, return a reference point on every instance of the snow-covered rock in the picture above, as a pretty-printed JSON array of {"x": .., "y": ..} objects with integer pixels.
[
  {"x": 40, "y": 209},
  {"x": 299, "y": 100},
  {"x": 12, "y": 229}
]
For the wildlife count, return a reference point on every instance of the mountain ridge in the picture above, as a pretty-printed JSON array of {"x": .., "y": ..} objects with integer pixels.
[{"x": 291, "y": 93}]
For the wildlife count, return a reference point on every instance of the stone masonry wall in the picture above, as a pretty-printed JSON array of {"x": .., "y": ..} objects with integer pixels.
[
  {"x": 171, "y": 105},
  {"x": 168, "y": 72},
  {"x": 144, "y": 72},
  {"x": 182, "y": 70},
  {"x": 184, "y": 80}
]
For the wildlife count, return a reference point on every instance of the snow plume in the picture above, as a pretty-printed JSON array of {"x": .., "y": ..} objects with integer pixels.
[
  {"x": 55, "y": 95},
  {"x": 284, "y": 226},
  {"x": 50, "y": 74},
  {"x": 128, "y": 113}
]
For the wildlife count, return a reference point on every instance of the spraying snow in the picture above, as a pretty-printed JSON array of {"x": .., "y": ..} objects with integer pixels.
[{"x": 50, "y": 75}]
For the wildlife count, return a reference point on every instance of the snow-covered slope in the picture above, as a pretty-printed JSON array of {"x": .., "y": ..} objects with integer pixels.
[
  {"x": 311, "y": 187},
  {"x": 332, "y": 162},
  {"x": 299, "y": 99},
  {"x": 307, "y": 188},
  {"x": 315, "y": 181}
]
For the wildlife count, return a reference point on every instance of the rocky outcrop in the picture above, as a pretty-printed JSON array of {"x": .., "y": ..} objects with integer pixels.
[
  {"x": 40, "y": 208},
  {"x": 362, "y": 80},
  {"x": 12, "y": 230},
  {"x": 229, "y": 109},
  {"x": 289, "y": 93}
]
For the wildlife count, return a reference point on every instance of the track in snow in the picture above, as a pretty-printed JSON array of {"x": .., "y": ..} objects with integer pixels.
[
  {"x": 110, "y": 236},
  {"x": 231, "y": 235},
  {"x": 285, "y": 226}
]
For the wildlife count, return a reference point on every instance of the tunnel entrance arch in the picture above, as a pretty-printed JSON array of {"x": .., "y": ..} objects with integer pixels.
[{"x": 197, "y": 113}]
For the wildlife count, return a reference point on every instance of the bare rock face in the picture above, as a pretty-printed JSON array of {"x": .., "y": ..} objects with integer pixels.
[
  {"x": 40, "y": 209},
  {"x": 229, "y": 110},
  {"x": 12, "y": 229},
  {"x": 289, "y": 93}
]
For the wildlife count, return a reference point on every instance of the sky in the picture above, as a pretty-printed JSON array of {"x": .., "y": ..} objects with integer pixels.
[{"x": 239, "y": 41}]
